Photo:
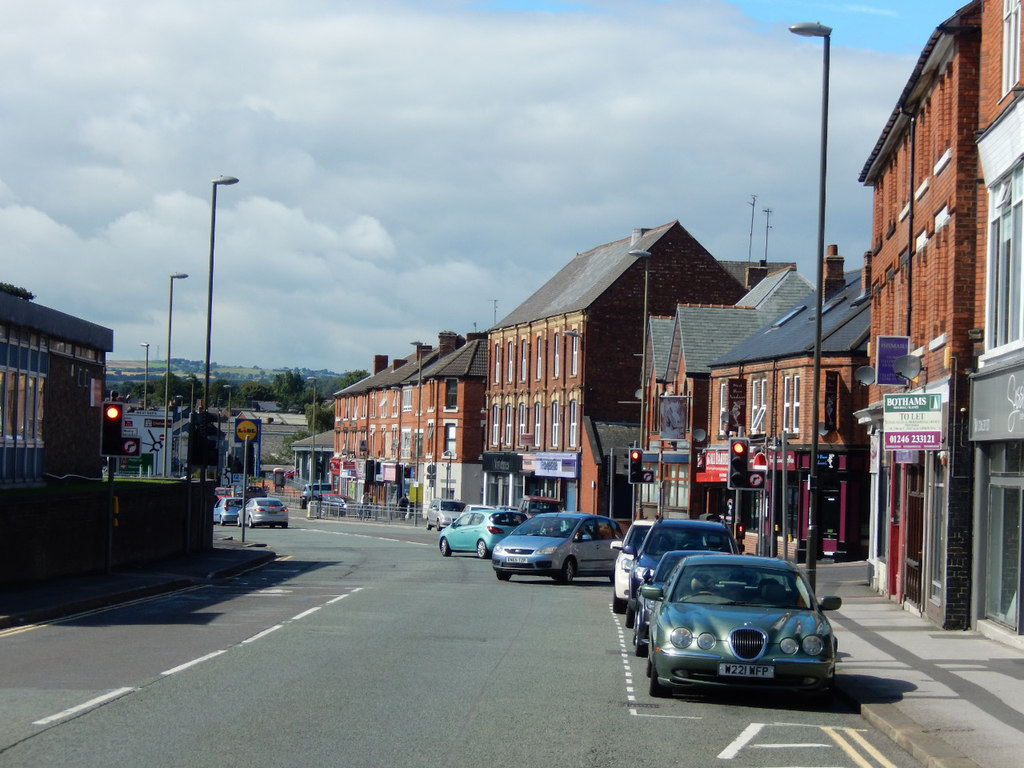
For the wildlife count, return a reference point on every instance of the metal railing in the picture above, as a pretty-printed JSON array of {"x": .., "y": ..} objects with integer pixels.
[{"x": 328, "y": 508}]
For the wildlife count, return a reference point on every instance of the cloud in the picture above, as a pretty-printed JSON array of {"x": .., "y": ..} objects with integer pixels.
[{"x": 403, "y": 165}]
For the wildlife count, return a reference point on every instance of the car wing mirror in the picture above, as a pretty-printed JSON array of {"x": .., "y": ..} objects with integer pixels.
[
  {"x": 617, "y": 544},
  {"x": 830, "y": 603}
]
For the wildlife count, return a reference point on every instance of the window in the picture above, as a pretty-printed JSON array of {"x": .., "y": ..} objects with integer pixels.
[
  {"x": 573, "y": 423},
  {"x": 395, "y": 395},
  {"x": 555, "y": 361},
  {"x": 406, "y": 443},
  {"x": 1004, "y": 273},
  {"x": 451, "y": 394},
  {"x": 555, "y": 423},
  {"x": 511, "y": 359},
  {"x": 497, "y": 363},
  {"x": 406, "y": 399},
  {"x": 540, "y": 357},
  {"x": 1011, "y": 44},
  {"x": 450, "y": 434},
  {"x": 538, "y": 423},
  {"x": 575, "y": 354},
  {"x": 758, "y": 405},
  {"x": 795, "y": 410},
  {"x": 723, "y": 404},
  {"x": 495, "y": 425},
  {"x": 524, "y": 359},
  {"x": 508, "y": 424},
  {"x": 787, "y": 390},
  {"x": 523, "y": 424}
]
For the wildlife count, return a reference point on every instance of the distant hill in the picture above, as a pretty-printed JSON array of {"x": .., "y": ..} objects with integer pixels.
[{"x": 135, "y": 371}]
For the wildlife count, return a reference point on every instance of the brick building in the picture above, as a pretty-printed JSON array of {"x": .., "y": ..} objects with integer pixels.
[
  {"x": 51, "y": 389},
  {"x": 925, "y": 281},
  {"x": 414, "y": 427},
  {"x": 564, "y": 371}
]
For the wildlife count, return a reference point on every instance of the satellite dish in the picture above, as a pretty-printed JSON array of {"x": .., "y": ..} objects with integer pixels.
[
  {"x": 908, "y": 366},
  {"x": 700, "y": 435},
  {"x": 865, "y": 375}
]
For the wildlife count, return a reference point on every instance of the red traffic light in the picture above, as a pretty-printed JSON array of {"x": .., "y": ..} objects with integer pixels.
[
  {"x": 636, "y": 455},
  {"x": 738, "y": 447},
  {"x": 112, "y": 411}
]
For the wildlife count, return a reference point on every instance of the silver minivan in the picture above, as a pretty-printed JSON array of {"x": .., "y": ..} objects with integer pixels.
[{"x": 562, "y": 545}]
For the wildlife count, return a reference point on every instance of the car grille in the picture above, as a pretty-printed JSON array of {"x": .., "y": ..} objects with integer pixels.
[
  {"x": 747, "y": 643},
  {"x": 518, "y": 551}
]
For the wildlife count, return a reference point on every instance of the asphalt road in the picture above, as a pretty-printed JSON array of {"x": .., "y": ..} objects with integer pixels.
[{"x": 362, "y": 646}]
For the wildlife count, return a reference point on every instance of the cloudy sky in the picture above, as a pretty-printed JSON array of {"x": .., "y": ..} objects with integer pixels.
[{"x": 412, "y": 166}]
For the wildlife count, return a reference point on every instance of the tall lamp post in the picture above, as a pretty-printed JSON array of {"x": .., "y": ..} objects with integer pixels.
[
  {"x": 219, "y": 181},
  {"x": 639, "y": 253},
  {"x": 313, "y": 474},
  {"x": 167, "y": 372},
  {"x": 814, "y": 29},
  {"x": 417, "y": 439},
  {"x": 145, "y": 380}
]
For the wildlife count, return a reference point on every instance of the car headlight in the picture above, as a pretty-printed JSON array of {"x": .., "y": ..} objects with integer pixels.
[
  {"x": 789, "y": 646},
  {"x": 706, "y": 641},
  {"x": 626, "y": 564},
  {"x": 813, "y": 645},
  {"x": 546, "y": 551},
  {"x": 681, "y": 637},
  {"x": 498, "y": 549}
]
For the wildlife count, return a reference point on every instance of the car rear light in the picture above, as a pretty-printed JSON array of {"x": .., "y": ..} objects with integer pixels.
[{"x": 494, "y": 529}]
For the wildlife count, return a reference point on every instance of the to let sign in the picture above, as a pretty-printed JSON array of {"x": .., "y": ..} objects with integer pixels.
[{"x": 913, "y": 422}]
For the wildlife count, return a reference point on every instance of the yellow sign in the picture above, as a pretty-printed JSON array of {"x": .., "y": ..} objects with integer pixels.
[{"x": 246, "y": 428}]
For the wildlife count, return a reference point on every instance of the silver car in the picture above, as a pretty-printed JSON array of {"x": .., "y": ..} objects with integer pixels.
[
  {"x": 266, "y": 510},
  {"x": 226, "y": 510},
  {"x": 562, "y": 545},
  {"x": 442, "y": 512}
]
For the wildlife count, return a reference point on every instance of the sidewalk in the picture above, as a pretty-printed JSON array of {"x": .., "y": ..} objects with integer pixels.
[
  {"x": 950, "y": 698},
  {"x": 65, "y": 596}
]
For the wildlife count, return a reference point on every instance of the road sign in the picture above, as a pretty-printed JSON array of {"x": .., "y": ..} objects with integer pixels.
[{"x": 756, "y": 479}]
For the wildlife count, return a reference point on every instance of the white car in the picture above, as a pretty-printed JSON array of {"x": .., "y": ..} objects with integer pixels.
[{"x": 624, "y": 563}]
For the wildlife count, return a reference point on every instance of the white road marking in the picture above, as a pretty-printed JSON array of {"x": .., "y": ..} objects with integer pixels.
[
  {"x": 115, "y": 694},
  {"x": 192, "y": 663}
]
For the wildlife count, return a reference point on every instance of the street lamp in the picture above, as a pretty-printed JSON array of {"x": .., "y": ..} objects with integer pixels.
[
  {"x": 167, "y": 372},
  {"x": 145, "y": 380},
  {"x": 814, "y": 29},
  {"x": 312, "y": 452},
  {"x": 639, "y": 253},
  {"x": 419, "y": 416}
]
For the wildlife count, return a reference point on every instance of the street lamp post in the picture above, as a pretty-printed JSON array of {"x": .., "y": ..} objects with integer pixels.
[
  {"x": 219, "y": 181},
  {"x": 167, "y": 372},
  {"x": 313, "y": 474},
  {"x": 417, "y": 440},
  {"x": 639, "y": 253},
  {"x": 145, "y": 380},
  {"x": 814, "y": 29}
]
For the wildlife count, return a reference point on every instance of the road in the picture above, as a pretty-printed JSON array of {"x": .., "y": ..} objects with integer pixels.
[{"x": 361, "y": 646}]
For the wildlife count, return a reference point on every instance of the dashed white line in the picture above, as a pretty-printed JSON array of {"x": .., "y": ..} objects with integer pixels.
[
  {"x": 192, "y": 663},
  {"x": 116, "y": 694}
]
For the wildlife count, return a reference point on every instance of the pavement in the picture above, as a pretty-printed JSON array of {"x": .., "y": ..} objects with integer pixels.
[{"x": 952, "y": 699}]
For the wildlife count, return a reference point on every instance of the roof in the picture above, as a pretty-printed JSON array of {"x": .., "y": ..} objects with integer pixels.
[
  {"x": 661, "y": 331},
  {"x": 584, "y": 279},
  {"x": 408, "y": 370},
  {"x": 775, "y": 294},
  {"x": 845, "y": 328},
  {"x": 469, "y": 360},
  {"x": 738, "y": 269},
  {"x": 324, "y": 442},
  {"x": 53, "y": 323}
]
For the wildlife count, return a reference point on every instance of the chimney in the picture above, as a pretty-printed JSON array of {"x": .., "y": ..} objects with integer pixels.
[
  {"x": 447, "y": 342},
  {"x": 755, "y": 275},
  {"x": 380, "y": 362},
  {"x": 865, "y": 274},
  {"x": 834, "y": 279},
  {"x": 477, "y": 336},
  {"x": 638, "y": 232}
]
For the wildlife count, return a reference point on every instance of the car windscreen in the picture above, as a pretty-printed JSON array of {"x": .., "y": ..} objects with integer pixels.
[
  {"x": 551, "y": 527},
  {"x": 739, "y": 584},
  {"x": 661, "y": 539}
]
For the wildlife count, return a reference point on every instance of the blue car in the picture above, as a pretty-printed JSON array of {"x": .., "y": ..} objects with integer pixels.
[
  {"x": 478, "y": 531},
  {"x": 695, "y": 535}
]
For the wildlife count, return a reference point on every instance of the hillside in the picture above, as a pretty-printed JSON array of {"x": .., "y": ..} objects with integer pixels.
[{"x": 135, "y": 371}]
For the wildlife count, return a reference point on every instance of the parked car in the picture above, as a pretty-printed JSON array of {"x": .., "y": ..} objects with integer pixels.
[
  {"x": 624, "y": 562},
  {"x": 673, "y": 534},
  {"x": 266, "y": 510},
  {"x": 562, "y": 545},
  {"x": 312, "y": 491},
  {"x": 478, "y": 530},
  {"x": 646, "y": 606},
  {"x": 740, "y": 622},
  {"x": 226, "y": 510},
  {"x": 442, "y": 512},
  {"x": 536, "y": 505}
]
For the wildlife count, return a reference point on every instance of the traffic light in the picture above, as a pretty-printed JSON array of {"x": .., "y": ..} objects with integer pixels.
[
  {"x": 739, "y": 463},
  {"x": 204, "y": 439},
  {"x": 636, "y": 465},
  {"x": 111, "y": 440}
]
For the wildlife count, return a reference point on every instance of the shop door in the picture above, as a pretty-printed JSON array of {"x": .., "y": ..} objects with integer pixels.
[{"x": 914, "y": 533}]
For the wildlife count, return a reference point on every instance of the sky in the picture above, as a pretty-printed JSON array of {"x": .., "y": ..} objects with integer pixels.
[{"x": 408, "y": 167}]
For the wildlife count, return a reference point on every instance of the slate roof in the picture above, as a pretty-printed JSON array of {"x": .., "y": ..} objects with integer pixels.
[
  {"x": 738, "y": 269},
  {"x": 603, "y": 436},
  {"x": 661, "y": 331},
  {"x": 584, "y": 279},
  {"x": 709, "y": 332},
  {"x": 468, "y": 360},
  {"x": 392, "y": 377},
  {"x": 845, "y": 328}
]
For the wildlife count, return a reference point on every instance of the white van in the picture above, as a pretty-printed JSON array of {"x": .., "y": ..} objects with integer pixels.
[{"x": 313, "y": 490}]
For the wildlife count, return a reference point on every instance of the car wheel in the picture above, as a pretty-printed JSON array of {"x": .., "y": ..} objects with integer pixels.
[
  {"x": 481, "y": 550},
  {"x": 630, "y": 616},
  {"x": 284, "y": 525},
  {"x": 618, "y": 605},
  {"x": 429, "y": 526},
  {"x": 655, "y": 688},
  {"x": 446, "y": 550},
  {"x": 641, "y": 646},
  {"x": 568, "y": 572},
  {"x": 503, "y": 575}
]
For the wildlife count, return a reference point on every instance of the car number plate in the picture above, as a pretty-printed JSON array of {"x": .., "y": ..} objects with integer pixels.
[
  {"x": 514, "y": 560},
  {"x": 726, "y": 669}
]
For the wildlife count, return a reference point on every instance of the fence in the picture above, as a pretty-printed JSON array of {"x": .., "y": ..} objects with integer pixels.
[{"x": 329, "y": 507}]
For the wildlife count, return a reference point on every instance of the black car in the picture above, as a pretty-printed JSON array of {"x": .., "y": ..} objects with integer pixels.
[{"x": 665, "y": 535}]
